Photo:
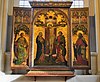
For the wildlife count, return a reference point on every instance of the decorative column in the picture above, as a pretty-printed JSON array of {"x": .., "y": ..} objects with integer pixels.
[{"x": 97, "y": 21}]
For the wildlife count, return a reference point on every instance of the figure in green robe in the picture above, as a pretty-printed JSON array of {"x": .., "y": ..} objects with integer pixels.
[{"x": 21, "y": 48}]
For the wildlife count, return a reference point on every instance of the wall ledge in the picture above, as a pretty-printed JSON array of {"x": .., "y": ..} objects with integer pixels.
[{"x": 94, "y": 53}]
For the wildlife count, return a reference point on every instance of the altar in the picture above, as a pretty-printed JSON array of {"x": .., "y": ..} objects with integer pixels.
[{"x": 50, "y": 39}]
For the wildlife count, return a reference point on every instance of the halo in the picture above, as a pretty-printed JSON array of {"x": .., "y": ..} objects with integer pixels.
[
  {"x": 50, "y": 24},
  {"x": 21, "y": 32},
  {"x": 80, "y": 32}
]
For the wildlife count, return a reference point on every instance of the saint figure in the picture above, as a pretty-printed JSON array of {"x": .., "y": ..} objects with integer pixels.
[
  {"x": 60, "y": 48},
  {"x": 40, "y": 48},
  {"x": 21, "y": 50},
  {"x": 80, "y": 49}
]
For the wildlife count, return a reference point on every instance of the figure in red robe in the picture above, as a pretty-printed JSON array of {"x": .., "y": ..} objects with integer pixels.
[
  {"x": 61, "y": 50},
  {"x": 80, "y": 49}
]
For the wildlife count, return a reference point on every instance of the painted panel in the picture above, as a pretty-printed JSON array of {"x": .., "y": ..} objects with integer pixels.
[
  {"x": 21, "y": 38},
  {"x": 80, "y": 38},
  {"x": 50, "y": 37}
]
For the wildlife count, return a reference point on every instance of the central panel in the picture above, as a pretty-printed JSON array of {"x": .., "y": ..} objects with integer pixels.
[{"x": 50, "y": 43}]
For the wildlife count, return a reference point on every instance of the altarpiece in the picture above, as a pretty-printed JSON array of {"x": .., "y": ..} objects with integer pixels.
[{"x": 50, "y": 36}]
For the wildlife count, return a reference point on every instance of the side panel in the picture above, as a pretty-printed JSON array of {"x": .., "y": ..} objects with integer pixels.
[
  {"x": 80, "y": 38},
  {"x": 21, "y": 38}
]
